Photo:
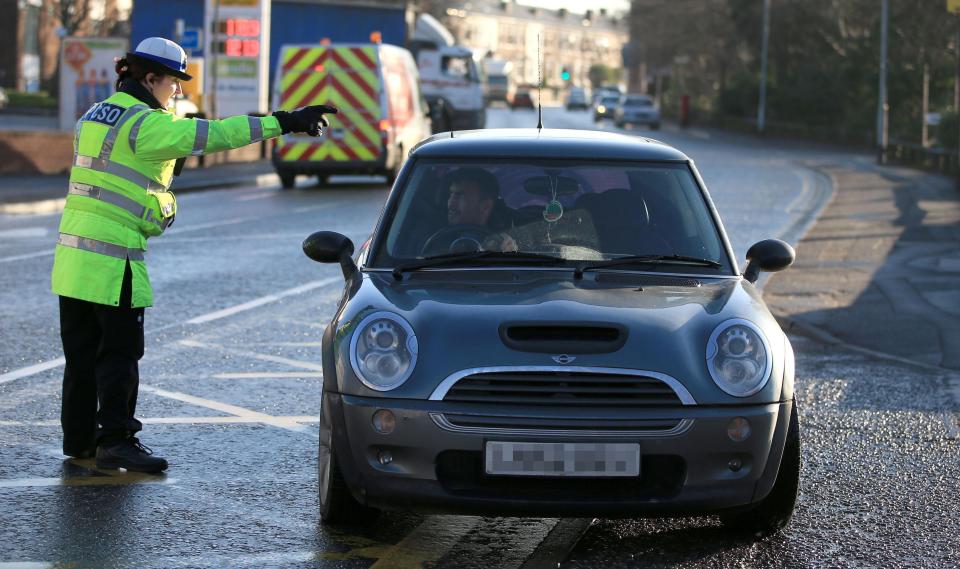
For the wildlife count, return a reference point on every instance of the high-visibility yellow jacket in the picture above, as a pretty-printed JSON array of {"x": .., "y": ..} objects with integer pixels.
[{"x": 124, "y": 156}]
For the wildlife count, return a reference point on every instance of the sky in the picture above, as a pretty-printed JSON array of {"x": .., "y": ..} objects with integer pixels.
[{"x": 580, "y": 6}]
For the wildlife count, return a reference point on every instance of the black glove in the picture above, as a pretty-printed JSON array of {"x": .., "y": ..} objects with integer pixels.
[{"x": 308, "y": 119}]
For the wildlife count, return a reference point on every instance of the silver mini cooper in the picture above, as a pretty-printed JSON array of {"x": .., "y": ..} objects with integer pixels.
[{"x": 553, "y": 323}]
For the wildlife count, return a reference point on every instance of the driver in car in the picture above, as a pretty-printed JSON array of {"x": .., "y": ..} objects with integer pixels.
[{"x": 473, "y": 196}]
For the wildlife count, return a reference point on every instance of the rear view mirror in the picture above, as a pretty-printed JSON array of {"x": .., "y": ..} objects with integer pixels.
[
  {"x": 331, "y": 247},
  {"x": 769, "y": 255},
  {"x": 544, "y": 186}
]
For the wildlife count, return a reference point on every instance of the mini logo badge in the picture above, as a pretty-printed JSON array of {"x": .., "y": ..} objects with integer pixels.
[{"x": 564, "y": 359}]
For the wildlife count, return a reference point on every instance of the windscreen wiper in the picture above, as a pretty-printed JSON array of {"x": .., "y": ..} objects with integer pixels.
[
  {"x": 459, "y": 258},
  {"x": 643, "y": 259}
]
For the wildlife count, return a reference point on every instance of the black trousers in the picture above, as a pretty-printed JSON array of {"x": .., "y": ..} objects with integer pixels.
[{"x": 102, "y": 345}]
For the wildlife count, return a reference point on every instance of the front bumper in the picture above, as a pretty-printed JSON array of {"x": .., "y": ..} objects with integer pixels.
[{"x": 438, "y": 470}]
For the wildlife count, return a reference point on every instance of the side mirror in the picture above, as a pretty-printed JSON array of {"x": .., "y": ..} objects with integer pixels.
[
  {"x": 769, "y": 255},
  {"x": 331, "y": 247}
]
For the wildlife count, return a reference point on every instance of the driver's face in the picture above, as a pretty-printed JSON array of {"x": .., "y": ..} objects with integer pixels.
[{"x": 467, "y": 204}]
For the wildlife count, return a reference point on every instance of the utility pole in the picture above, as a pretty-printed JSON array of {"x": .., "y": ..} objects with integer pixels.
[
  {"x": 924, "y": 132},
  {"x": 882, "y": 106},
  {"x": 762, "y": 108}
]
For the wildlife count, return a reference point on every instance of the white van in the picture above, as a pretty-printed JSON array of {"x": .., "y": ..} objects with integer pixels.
[{"x": 382, "y": 112}]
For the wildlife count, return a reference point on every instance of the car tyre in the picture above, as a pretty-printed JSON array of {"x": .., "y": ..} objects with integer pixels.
[
  {"x": 287, "y": 179},
  {"x": 774, "y": 512},
  {"x": 337, "y": 504}
]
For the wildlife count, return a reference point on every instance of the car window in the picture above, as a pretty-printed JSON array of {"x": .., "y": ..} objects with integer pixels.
[
  {"x": 638, "y": 102},
  {"x": 589, "y": 211}
]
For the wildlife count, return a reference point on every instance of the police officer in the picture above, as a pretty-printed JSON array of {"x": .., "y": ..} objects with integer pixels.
[{"x": 125, "y": 151}]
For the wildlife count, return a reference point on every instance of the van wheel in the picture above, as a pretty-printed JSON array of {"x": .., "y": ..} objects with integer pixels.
[
  {"x": 773, "y": 513},
  {"x": 287, "y": 179},
  {"x": 337, "y": 505}
]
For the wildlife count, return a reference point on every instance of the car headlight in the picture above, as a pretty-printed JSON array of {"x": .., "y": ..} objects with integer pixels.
[
  {"x": 383, "y": 351},
  {"x": 738, "y": 357}
]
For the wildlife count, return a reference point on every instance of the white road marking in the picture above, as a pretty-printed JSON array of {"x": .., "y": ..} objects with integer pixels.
[
  {"x": 53, "y": 364},
  {"x": 268, "y": 375},
  {"x": 32, "y": 370},
  {"x": 282, "y": 422},
  {"x": 261, "y": 301},
  {"x": 123, "y": 479},
  {"x": 43, "y": 207},
  {"x": 256, "y": 197},
  {"x": 26, "y": 256},
  {"x": 264, "y": 357},
  {"x": 26, "y": 565},
  {"x": 950, "y": 421},
  {"x": 217, "y": 420},
  {"x": 25, "y": 232}
]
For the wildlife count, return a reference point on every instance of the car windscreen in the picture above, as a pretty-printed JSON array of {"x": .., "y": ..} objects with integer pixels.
[
  {"x": 576, "y": 210},
  {"x": 638, "y": 102}
]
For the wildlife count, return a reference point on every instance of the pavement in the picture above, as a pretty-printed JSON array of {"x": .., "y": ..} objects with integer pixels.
[
  {"x": 34, "y": 194},
  {"x": 879, "y": 270}
]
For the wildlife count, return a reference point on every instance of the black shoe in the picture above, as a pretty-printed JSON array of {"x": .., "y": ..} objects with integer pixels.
[
  {"x": 131, "y": 455},
  {"x": 80, "y": 453}
]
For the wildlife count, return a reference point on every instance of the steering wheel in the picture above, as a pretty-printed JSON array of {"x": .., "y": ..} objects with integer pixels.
[{"x": 459, "y": 238}]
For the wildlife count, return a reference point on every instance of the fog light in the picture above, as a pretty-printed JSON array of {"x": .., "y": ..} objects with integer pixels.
[
  {"x": 384, "y": 422},
  {"x": 738, "y": 430},
  {"x": 384, "y": 457},
  {"x": 735, "y": 464}
]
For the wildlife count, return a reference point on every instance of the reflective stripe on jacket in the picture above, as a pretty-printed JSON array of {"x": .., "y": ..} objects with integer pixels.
[{"x": 117, "y": 197}]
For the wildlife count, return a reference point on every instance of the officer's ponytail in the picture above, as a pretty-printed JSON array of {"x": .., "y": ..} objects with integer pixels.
[{"x": 126, "y": 68}]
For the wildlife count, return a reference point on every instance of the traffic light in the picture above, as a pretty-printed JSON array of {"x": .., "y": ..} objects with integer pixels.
[{"x": 564, "y": 73}]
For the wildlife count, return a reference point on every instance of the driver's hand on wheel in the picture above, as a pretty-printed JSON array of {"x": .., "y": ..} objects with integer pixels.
[{"x": 500, "y": 242}]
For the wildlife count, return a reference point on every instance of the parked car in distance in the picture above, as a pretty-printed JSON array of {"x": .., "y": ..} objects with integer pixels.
[
  {"x": 4, "y": 99},
  {"x": 637, "y": 109},
  {"x": 553, "y": 323},
  {"x": 522, "y": 99},
  {"x": 577, "y": 98},
  {"x": 605, "y": 107}
]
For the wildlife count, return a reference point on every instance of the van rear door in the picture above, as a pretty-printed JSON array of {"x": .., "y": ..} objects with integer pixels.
[{"x": 345, "y": 76}]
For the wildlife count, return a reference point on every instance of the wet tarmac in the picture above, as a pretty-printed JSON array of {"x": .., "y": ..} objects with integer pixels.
[{"x": 230, "y": 396}]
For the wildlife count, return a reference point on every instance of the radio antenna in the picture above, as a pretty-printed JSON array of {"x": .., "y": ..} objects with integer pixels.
[{"x": 539, "y": 83}]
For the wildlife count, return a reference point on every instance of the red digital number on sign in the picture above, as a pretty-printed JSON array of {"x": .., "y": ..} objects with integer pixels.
[
  {"x": 241, "y": 48},
  {"x": 242, "y": 27}
]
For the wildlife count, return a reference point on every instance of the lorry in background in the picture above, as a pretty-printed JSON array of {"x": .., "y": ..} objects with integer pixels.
[
  {"x": 500, "y": 84},
  {"x": 449, "y": 77}
]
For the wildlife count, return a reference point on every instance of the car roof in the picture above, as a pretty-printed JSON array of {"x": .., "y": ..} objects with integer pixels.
[{"x": 545, "y": 143}]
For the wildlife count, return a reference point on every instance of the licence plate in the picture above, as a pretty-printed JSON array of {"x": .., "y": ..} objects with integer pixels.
[
  {"x": 562, "y": 459},
  {"x": 337, "y": 133}
]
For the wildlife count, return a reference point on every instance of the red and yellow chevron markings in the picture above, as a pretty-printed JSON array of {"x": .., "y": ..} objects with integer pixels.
[{"x": 346, "y": 77}]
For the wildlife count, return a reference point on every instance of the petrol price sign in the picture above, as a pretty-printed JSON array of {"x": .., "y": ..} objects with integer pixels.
[{"x": 237, "y": 47}]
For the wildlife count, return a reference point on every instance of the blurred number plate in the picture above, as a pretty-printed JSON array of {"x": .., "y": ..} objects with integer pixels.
[
  {"x": 337, "y": 133},
  {"x": 562, "y": 459}
]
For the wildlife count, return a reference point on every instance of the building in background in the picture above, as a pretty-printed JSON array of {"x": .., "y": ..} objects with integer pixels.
[
  {"x": 570, "y": 43},
  {"x": 31, "y": 30}
]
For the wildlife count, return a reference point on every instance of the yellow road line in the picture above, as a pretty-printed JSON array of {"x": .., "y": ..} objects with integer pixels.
[{"x": 430, "y": 541}]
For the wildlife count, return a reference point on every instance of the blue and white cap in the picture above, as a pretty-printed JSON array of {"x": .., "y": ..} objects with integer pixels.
[{"x": 163, "y": 55}]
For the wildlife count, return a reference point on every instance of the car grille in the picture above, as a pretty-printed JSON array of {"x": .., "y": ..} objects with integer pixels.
[
  {"x": 563, "y": 403},
  {"x": 574, "y": 389}
]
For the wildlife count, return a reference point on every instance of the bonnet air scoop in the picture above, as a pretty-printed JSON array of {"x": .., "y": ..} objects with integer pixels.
[{"x": 564, "y": 337}]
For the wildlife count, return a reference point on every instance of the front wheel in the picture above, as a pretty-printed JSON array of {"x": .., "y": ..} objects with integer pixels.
[
  {"x": 337, "y": 504},
  {"x": 773, "y": 513},
  {"x": 287, "y": 179}
]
